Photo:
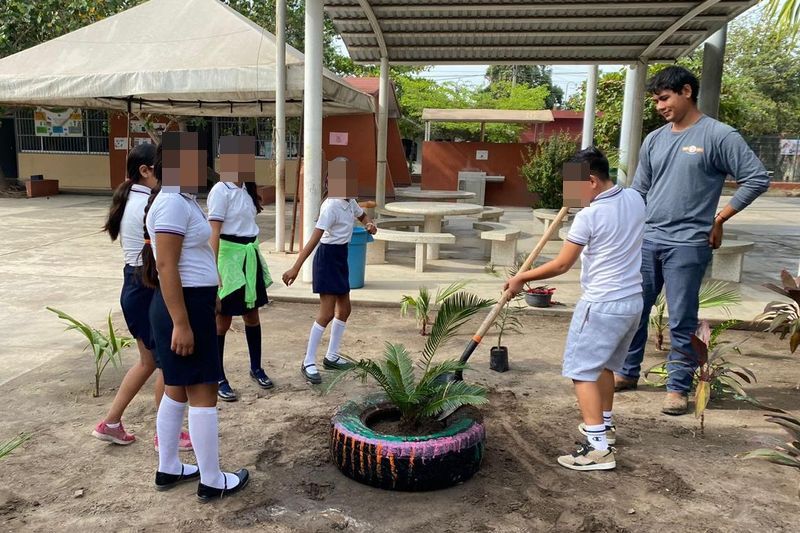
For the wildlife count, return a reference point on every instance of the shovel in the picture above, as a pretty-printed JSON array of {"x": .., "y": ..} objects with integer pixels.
[{"x": 492, "y": 316}]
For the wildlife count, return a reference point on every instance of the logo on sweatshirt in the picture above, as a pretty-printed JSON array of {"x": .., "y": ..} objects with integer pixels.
[{"x": 692, "y": 149}]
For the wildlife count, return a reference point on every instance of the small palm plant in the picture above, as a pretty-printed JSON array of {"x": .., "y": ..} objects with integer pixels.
[
  {"x": 106, "y": 347},
  {"x": 8, "y": 446},
  {"x": 425, "y": 397},
  {"x": 712, "y": 294},
  {"x": 784, "y": 317},
  {"x": 783, "y": 453},
  {"x": 423, "y": 306}
]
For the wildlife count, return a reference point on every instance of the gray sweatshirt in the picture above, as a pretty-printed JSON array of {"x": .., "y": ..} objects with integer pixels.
[{"x": 680, "y": 176}]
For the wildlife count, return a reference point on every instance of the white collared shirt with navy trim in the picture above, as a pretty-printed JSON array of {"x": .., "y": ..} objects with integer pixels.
[
  {"x": 131, "y": 228},
  {"x": 232, "y": 205},
  {"x": 611, "y": 231},
  {"x": 178, "y": 213},
  {"x": 337, "y": 217}
]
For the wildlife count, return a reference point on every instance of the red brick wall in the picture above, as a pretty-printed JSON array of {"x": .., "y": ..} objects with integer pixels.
[{"x": 441, "y": 162}]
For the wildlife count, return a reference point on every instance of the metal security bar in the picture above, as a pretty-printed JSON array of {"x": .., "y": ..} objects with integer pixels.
[{"x": 93, "y": 141}]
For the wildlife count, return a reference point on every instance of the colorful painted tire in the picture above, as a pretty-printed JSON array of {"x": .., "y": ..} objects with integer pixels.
[{"x": 418, "y": 463}]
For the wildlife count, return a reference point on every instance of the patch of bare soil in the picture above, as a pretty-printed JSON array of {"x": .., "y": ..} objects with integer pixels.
[{"x": 669, "y": 478}]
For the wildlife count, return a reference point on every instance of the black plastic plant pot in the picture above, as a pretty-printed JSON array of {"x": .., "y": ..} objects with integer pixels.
[
  {"x": 408, "y": 463},
  {"x": 498, "y": 359},
  {"x": 537, "y": 299}
]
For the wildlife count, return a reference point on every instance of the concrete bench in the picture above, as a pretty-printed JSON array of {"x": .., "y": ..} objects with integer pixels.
[
  {"x": 490, "y": 214},
  {"x": 399, "y": 223},
  {"x": 376, "y": 251},
  {"x": 503, "y": 239},
  {"x": 726, "y": 264},
  {"x": 542, "y": 218}
]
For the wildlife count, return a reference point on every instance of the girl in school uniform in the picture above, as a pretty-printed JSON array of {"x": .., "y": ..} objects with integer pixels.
[
  {"x": 179, "y": 263},
  {"x": 333, "y": 231},
  {"x": 232, "y": 210},
  {"x": 125, "y": 222}
]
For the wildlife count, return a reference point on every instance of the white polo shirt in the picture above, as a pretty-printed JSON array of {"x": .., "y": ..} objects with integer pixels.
[
  {"x": 611, "y": 230},
  {"x": 131, "y": 229},
  {"x": 232, "y": 205},
  {"x": 337, "y": 217},
  {"x": 180, "y": 214}
]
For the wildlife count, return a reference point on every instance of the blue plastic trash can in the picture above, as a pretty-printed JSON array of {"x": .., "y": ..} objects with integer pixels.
[{"x": 357, "y": 256}]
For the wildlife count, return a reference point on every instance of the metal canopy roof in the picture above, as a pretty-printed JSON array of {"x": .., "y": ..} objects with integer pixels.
[
  {"x": 413, "y": 32},
  {"x": 488, "y": 115}
]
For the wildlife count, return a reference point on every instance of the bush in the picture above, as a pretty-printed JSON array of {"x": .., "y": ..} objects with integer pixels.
[{"x": 542, "y": 169}]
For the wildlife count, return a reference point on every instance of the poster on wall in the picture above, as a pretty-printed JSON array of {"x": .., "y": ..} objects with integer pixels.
[
  {"x": 62, "y": 122},
  {"x": 790, "y": 146},
  {"x": 337, "y": 138},
  {"x": 140, "y": 126}
]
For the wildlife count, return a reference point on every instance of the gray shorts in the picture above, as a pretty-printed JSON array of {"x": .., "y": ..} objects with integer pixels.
[{"x": 599, "y": 337}]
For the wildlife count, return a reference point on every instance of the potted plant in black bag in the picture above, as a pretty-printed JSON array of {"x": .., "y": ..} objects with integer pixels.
[
  {"x": 540, "y": 296},
  {"x": 507, "y": 322}
]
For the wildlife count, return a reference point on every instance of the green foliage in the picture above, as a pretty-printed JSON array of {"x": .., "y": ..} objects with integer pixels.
[
  {"x": 784, "y": 318},
  {"x": 508, "y": 320},
  {"x": 8, "y": 446},
  {"x": 786, "y": 14},
  {"x": 784, "y": 453},
  {"x": 542, "y": 168},
  {"x": 530, "y": 75},
  {"x": 396, "y": 374},
  {"x": 106, "y": 346},
  {"x": 712, "y": 294},
  {"x": 421, "y": 304}
]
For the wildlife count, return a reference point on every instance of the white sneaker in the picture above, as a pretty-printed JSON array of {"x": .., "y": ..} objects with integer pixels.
[
  {"x": 587, "y": 458},
  {"x": 611, "y": 432}
]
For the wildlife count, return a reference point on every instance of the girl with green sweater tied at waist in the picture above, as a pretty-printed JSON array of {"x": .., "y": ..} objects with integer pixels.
[{"x": 232, "y": 208}]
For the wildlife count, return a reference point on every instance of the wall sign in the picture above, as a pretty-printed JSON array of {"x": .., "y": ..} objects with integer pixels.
[
  {"x": 337, "y": 138},
  {"x": 61, "y": 122}
]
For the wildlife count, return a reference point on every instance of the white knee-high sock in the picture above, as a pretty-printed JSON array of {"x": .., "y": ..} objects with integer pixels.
[
  {"x": 337, "y": 330},
  {"x": 314, "y": 339},
  {"x": 168, "y": 427},
  {"x": 204, "y": 430}
]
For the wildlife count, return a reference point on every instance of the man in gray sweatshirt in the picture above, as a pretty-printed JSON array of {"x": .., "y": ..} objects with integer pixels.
[{"x": 682, "y": 168}]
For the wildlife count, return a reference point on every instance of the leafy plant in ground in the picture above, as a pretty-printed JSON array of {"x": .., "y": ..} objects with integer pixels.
[
  {"x": 6, "y": 447},
  {"x": 714, "y": 375},
  {"x": 425, "y": 397},
  {"x": 106, "y": 346},
  {"x": 783, "y": 317},
  {"x": 785, "y": 454},
  {"x": 542, "y": 169},
  {"x": 423, "y": 306},
  {"x": 712, "y": 294}
]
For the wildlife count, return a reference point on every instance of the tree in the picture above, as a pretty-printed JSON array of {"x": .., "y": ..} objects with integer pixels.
[
  {"x": 786, "y": 13},
  {"x": 530, "y": 75}
]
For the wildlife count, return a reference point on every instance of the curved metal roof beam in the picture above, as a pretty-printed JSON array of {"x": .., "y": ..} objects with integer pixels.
[
  {"x": 376, "y": 27},
  {"x": 699, "y": 8}
]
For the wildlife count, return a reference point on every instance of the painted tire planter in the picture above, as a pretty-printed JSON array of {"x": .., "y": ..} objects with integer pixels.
[{"x": 409, "y": 463}]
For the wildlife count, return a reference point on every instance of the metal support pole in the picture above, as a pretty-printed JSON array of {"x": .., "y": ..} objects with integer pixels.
[
  {"x": 383, "y": 127},
  {"x": 711, "y": 82},
  {"x": 312, "y": 124},
  {"x": 280, "y": 126},
  {"x": 590, "y": 108},
  {"x": 630, "y": 139}
]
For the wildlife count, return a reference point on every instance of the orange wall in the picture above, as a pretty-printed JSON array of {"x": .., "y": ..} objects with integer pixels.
[{"x": 441, "y": 162}]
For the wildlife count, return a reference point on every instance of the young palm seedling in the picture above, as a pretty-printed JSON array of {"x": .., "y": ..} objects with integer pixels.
[{"x": 423, "y": 306}]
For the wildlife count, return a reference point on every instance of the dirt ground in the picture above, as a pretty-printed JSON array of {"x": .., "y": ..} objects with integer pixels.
[{"x": 668, "y": 477}]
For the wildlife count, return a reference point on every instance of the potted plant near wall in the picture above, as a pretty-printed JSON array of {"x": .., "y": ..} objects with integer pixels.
[
  {"x": 541, "y": 296},
  {"x": 507, "y": 322},
  {"x": 393, "y": 439}
]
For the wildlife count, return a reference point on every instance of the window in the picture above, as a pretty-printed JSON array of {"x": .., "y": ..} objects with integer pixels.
[
  {"x": 262, "y": 129},
  {"x": 93, "y": 141}
]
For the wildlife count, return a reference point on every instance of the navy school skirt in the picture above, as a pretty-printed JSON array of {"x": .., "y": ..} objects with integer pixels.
[
  {"x": 135, "y": 302},
  {"x": 331, "y": 274},
  {"x": 202, "y": 366},
  {"x": 233, "y": 304}
]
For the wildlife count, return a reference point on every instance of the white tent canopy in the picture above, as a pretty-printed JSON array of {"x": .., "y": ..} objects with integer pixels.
[{"x": 180, "y": 57}]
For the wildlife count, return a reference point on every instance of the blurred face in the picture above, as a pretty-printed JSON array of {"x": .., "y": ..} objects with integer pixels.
[
  {"x": 184, "y": 165},
  {"x": 578, "y": 190},
  {"x": 237, "y": 159},
  {"x": 674, "y": 106},
  {"x": 341, "y": 187}
]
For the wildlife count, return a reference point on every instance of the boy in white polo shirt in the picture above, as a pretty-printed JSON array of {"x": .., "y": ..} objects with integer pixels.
[{"x": 607, "y": 236}]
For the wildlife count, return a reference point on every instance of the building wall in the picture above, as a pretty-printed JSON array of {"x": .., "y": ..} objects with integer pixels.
[
  {"x": 441, "y": 162},
  {"x": 73, "y": 171}
]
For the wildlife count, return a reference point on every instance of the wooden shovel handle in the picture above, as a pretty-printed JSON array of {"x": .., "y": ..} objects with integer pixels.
[{"x": 492, "y": 316}]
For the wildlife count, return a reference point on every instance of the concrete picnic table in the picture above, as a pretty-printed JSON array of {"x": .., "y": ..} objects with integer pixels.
[
  {"x": 433, "y": 213},
  {"x": 430, "y": 194}
]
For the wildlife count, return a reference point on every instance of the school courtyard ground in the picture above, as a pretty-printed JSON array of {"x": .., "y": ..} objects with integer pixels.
[{"x": 669, "y": 476}]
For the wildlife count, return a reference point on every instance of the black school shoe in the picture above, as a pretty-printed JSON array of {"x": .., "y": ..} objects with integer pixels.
[
  {"x": 225, "y": 392},
  {"x": 314, "y": 379},
  {"x": 339, "y": 364},
  {"x": 261, "y": 377},
  {"x": 206, "y": 494},
  {"x": 167, "y": 481}
]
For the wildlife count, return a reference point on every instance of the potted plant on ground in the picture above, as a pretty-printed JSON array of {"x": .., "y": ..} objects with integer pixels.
[
  {"x": 540, "y": 296},
  {"x": 393, "y": 440},
  {"x": 507, "y": 322}
]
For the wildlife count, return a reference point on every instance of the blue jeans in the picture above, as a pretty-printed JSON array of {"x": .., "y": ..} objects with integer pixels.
[{"x": 680, "y": 269}]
